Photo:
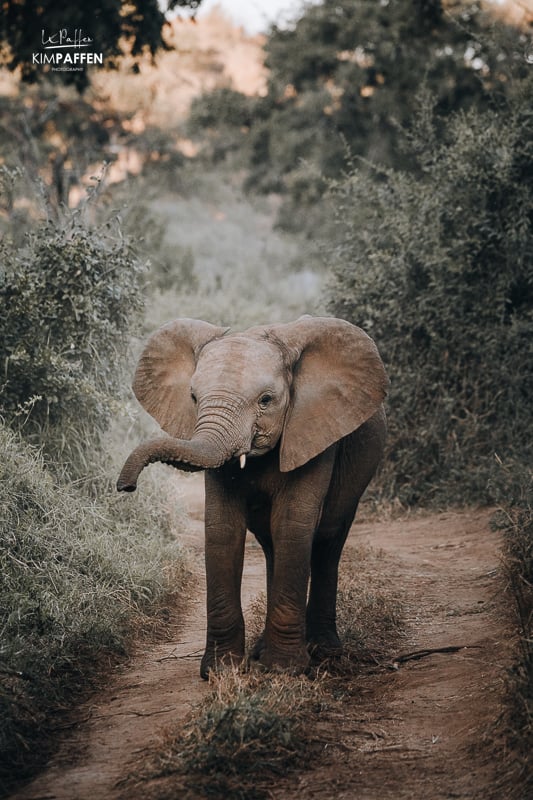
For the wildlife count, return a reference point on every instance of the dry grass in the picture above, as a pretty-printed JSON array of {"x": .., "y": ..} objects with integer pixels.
[
  {"x": 516, "y": 724},
  {"x": 80, "y": 575},
  {"x": 369, "y": 612},
  {"x": 250, "y": 729},
  {"x": 222, "y": 259}
]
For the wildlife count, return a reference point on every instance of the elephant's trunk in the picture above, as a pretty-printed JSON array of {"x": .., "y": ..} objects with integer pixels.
[
  {"x": 222, "y": 431},
  {"x": 189, "y": 455}
]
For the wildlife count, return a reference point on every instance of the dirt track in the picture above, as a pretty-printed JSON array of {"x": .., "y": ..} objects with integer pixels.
[{"x": 418, "y": 731}]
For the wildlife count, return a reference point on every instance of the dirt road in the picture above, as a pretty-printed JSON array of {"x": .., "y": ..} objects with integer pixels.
[{"x": 415, "y": 731}]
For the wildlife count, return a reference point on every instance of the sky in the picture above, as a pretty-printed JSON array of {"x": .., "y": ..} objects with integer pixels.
[{"x": 255, "y": 15}]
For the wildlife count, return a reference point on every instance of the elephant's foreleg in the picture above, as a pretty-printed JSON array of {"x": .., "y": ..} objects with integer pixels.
[
  {"x": 225, "y": 532},
  {"x": 295, "y": 517},
  {"x": 283, "y": 643}
]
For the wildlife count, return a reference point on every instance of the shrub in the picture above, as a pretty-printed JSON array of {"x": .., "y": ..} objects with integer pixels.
[
  {"x": 249, "y": 730},
  {"x": 222, "y": 117},
  {"x": 438, "y": 267},
  {"x": 71, "y": 295}
]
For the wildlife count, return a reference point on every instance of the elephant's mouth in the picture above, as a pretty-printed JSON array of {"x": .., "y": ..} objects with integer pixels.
[{"x": 261, "y": 444}]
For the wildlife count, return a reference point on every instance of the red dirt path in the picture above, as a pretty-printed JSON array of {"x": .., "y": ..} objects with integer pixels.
[{"x": 417, "y": 732}]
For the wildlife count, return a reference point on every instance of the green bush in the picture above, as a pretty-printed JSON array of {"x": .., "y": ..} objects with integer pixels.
[
  {"x": 438, "y": 267},
  {"x": 222, "y": 119},
  {"x": 70, "y": 297},
  {"x": 77, "y": 575},
  {"x": 222, "y": 106}
]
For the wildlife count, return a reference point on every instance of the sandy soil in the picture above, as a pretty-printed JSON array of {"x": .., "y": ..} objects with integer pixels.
[{"x": 420, "y": 729}]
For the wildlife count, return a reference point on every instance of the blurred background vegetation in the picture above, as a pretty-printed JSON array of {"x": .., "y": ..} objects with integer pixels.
[{"x": 371, "y": 160}]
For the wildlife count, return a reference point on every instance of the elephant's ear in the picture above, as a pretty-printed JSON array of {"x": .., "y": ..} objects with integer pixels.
[
  {"x": 339, "y": 381},
  {"x": 167, "y": 363}
]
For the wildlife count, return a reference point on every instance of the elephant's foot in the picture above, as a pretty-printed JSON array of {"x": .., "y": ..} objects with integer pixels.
[
  {"x": 215, "y": 661},
  {"x": 324, "y": 645},
  {"x": 281, "y": 650},
  {"x": 258, "y": 648},
  {"x": 293, "y": 661}
]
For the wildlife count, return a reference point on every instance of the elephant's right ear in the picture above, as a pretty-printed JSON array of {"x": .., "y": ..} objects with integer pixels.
[{"x": 167, "y": 363}]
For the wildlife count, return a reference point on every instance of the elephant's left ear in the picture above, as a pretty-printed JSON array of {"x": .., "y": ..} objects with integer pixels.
[{"x": 339, "y": 381}]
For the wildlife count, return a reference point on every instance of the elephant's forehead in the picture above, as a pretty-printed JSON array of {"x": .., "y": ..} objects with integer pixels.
[{"x": 240, "y": 357}]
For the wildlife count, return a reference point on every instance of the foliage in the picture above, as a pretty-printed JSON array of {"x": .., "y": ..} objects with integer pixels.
[
  {"x": 113, "y": 25},
  {"x": 54, "y": 135},
  {"x": 438, "y": 268},
  {"x": 77, "y": 574},
  {"x": 82, "y": 568},
  {"x": 221, "y": 117},
  {"x": 344, "y": 77},
  {"x": 71, "y": 294},
  {"x": 222, "y": 106}
]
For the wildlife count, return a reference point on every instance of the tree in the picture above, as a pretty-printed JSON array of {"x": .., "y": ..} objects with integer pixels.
[
  {"x": 112, "y": 24},
  {"x": 344, "y": 79}
]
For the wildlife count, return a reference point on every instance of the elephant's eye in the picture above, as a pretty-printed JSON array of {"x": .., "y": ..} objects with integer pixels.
[
  {"x": 193, "y": 397},
  {"x": 265, "y": 400}
]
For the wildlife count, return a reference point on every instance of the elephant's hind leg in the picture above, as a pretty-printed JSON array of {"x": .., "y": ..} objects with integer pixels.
[
  {"x": 321, "y": 614},
  {"x": 265, "y": 540}
]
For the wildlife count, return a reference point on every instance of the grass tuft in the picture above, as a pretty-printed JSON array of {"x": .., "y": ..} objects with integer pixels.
[
  {"x": 250, "y": 728},
  {"x": 370, "y": 615}
]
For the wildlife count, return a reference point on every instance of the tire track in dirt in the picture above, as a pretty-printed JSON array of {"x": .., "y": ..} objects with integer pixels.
[{"x": 412, "y": 732}]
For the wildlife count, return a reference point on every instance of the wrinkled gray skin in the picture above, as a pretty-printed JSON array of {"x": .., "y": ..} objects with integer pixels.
[{"x": 287, "y": 420}]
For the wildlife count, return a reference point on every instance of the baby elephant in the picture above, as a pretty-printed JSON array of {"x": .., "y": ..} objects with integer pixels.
[{"x": 287, "y": 420}]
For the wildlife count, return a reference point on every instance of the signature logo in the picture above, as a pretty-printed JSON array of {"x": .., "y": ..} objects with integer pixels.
[
  {"x": 63, "y": 39},
  {"x": 66, "y": 51}
]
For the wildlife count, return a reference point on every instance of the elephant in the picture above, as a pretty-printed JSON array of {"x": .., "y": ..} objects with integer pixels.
[{"x": 287, "y": 421}]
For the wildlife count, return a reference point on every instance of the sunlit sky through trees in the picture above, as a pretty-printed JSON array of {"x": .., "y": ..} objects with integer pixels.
[{"x": 255, "y": 15}]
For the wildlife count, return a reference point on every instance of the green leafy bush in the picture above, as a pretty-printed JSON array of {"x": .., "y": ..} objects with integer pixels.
[
  {"x": 438, "y": 267},
  {"x": 81, "y": 569},
  {"x": 70, "y": 297}
]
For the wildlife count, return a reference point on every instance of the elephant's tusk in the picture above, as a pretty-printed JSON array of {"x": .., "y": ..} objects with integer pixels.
[{"x": 242, "y": 460}]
